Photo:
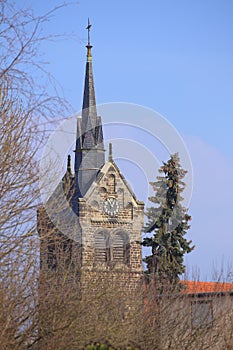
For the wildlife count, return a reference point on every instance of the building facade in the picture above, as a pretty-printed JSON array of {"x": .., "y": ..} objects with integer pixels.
[{"x": 93, "y": 221}]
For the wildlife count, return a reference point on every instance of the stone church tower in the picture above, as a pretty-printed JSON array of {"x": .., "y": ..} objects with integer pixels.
[{"x": 98, "y": 232}]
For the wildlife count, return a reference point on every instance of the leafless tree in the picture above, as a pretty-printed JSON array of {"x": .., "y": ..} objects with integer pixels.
[
  {"x": 104, "y": 312},
  {"x": 26, "y": 107}
]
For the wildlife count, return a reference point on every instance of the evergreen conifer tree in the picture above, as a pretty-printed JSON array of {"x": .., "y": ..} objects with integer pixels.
[{"x": 170, "y": 221}]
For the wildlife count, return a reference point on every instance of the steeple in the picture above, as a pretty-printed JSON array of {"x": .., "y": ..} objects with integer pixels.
[
  {"x": 89, "y": 152},
  {"x": 89, "y": 104}
]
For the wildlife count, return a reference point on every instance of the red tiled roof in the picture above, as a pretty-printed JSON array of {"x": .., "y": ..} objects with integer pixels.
[{"x": 195, "y": 287}]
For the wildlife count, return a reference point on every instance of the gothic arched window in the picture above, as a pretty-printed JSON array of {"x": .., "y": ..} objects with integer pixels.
[
  {"x": 101, "y": 248},
  {"x": 120, "y": 248},
  {"x": 121, "y": 200},
  {"x": 112, "y": 183},
  {"x": 129, "y": 207}
]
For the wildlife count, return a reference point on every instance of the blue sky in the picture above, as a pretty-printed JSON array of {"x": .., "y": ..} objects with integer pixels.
[{"x": 175, "y": 57}]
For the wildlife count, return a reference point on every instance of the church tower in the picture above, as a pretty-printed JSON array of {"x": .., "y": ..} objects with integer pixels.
[{"x": 103, "y": 221}]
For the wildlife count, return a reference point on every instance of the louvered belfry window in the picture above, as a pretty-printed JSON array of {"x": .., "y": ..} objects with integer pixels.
[
  {"x": 111, "y": 248},
  {"x": 101, "y": 247},
  {"x": 120, "y": 248}
]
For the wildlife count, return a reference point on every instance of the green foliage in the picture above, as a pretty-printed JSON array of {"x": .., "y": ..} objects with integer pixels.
[{"x": 169, "y": 221}]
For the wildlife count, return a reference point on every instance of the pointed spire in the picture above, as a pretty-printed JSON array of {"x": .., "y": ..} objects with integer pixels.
[
  {"x": 110, "y": 158},
  {"x": 69, "y": 164},
  {"x": 89, "y": 151},
  {"x": 89, "y": 113}
]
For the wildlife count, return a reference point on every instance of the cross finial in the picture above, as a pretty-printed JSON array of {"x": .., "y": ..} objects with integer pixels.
[
  {"x": 89, "y": 28},
  {"x": 89, "y": 58}
]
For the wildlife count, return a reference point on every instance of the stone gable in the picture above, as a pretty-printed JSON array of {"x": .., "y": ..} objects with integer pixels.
[{"x": 110, "y": 240}]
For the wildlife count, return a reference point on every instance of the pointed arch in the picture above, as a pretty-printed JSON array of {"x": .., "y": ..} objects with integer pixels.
[
  {"x": 112, "y": 183},
  {"x": 120, "y": 247},
  {"x": 95, "y": 204},
  {"x": 129, "y": 207},
  {"x": 121, "y": 197},
  {"x": 101, "y": 248}
]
